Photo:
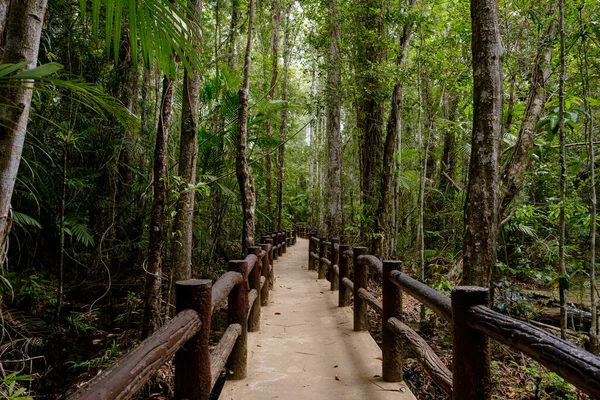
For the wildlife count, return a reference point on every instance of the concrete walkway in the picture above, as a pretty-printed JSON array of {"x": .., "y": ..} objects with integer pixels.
[{"x": 306, "y": 348}]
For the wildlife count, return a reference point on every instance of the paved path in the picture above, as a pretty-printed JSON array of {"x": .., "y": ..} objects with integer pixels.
[{"x": 306, "y": 348}]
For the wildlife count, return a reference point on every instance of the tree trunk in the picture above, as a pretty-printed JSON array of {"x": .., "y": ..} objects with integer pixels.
[
  {"x": 370, "y": 115},
  {"x": 269, "y": 124},
  {"x": 231, "y": 51},
  {"x": 244, "y": 178},
  {"x": 152, "y": 314},
  {"x": 518, "y": 163},
  {"x": 23, "y": 32},
  {"x": 181, "y": 246},
  {"x": 334, "y": 136},
  {"x": 312, "y": 149},
  {"x": 562, "y": 220},
  {"x": 4, "y": 4},
  {"x": 284, "y": 121},
  {"x": 394, "y": 131},
  {"x": 481, "y": 205}
]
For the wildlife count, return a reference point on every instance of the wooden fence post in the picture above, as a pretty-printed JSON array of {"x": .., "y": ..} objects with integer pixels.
[
  {"x": 192, "y": 360},
  {"x": 392, "y": 308},
  {"x": 361, "y": 280},
  {"x": 237, "y": 313},
  {"x": 335, "y": 260},
  {"x": 344, "y": 294},
  {"x": 275, "y": 238},
  {"x": 265, "y": 268},
  {"x": 254, "y": 283},
  {"x": 471, "y": 375},
  {"x": 311, "y": 249},
  {"x": 280, "y": 244},
  {"x": 272, "y": 268},
  {"x": 285, "y": 241},
  {"x": 322, "y": 253},
  {"x": 294, "y": 236}
]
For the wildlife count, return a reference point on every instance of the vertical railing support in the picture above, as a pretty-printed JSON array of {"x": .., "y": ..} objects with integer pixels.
[
  {"x": 265, "y": 268},
  {"x": 254, "y": 283},
  {"x": 272, "y": 268},
  {"x": 335, "y": 260},
  {"x": 275, "y": 238},
  {"x": 344, "y": 293},
  {"x": 471, "y": 375},
  {"x": 361, "y": 278},
  {"x": 294, "y": 236},
  {"x": 280, "y": 244},
  {"x": 285, "y": 240},
  {"x": 311, "y": 249},
  {"x": 322, "y": 253},
  {"x": 237, "y": 313},
  {"x": 192, "y": 361},
  {"x": 392, "y": 308}
]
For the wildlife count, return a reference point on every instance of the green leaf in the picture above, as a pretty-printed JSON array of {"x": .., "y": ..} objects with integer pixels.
[
  {"x": 39, "y": 72},
  {"x": 6, "y": 69}
]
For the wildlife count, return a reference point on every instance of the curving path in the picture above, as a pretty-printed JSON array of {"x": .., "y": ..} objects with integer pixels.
[{"x": 306, "y": 348}]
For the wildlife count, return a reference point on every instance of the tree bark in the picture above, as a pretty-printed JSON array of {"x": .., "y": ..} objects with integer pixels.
[
  {"x": 23, "y": 32},
  {"x": 370, "y": 114},
  {"x": 481, "y": 205},
  {"x": 269, "y": 124},
  {"x": 562, "y": 220},
  {"x": 284, "y": 121},
  {"x": 518, "y": 162},
  {"x": 244, "y": 178},
  {"x": 152, "y": 314},
  {"x": 181, "y": 246},
  {"x": 334, "y": 136}
]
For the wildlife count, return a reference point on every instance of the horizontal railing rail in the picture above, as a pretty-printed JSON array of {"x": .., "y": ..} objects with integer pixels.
[
  {"x": 244, "y": 287},
  {"x": 471, "y": 321}
]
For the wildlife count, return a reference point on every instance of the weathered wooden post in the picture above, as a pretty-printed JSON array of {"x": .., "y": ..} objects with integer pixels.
[
  {"x": 294, "y": 236},
  {"x": 283, "y": 242},
  {"x": 275, "y": 238},
  {"x": 322, "y": 253},
  {"x": 280, "y": 244},
  {"x": 361, "y": 277},
  {"x": 391, "y": 348},
  {"x": 254, "y": 283},
  {"x": 311, "y": 249},
  {"x": 272, "y": 268},
  {"x": 192, "y": 361},
  {"x": 335, "y": 260},
  {"x": 237, "y": 313},
  {"x": 265, "y": 268},
  {"x": 471, "y": 374},
  {"x": 344, "y": 294}
]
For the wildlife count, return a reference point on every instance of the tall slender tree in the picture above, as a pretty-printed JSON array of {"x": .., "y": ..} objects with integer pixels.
[
  {"x": 481, "y": 204},
  {"x": 22, "y": 30},
  {"x": 245, "y": 180}
]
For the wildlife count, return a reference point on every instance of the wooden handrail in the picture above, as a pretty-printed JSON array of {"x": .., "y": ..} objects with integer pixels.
[
  {"x": 430, "y": 297},
  {"x": 572, "y": 363},
  {"x": 132, "y": 371},
  {"x": 372, "y": 262},
  {"x": 471, "y": 320},
  {"x": 187, "y": 334}
]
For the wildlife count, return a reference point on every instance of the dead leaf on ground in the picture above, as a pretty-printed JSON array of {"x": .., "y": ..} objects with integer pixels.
[
  {"x": 277, "y": 313},
  {"x": 337, "y": 378},
  {"x": 379, "y": 358},
  {"x": 335, "y": 366}
]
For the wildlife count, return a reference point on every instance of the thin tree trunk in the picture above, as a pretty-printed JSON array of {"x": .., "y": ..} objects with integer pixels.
[
  {"x": 61, "y": 257},
  {"x": 269, "y": 124},
  {"x": 481, "y": 204},
  {"x": 311, "y": 149},
  {"x": 23, "y": 32},
  {"x": 231, "y": 50},
  {"x": 182, "y": 242},
  {"x": 562, "y": 221},
  {"x": 334, "y": 136},
  {"x": 152, "y": 308},
  {"x": 4, "y": 5},
  {"x": 518, "y": 163},
  {"x": 284, "y": 120},
  {"x": 589, "y": 130},
  {"x": 394, "y": 132},
  {"x": 244, "y": 178}
]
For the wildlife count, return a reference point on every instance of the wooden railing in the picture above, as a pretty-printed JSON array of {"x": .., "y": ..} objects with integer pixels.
[
  {"x": 471, "y": 321},
  {"x": 245, "y": 287}
]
